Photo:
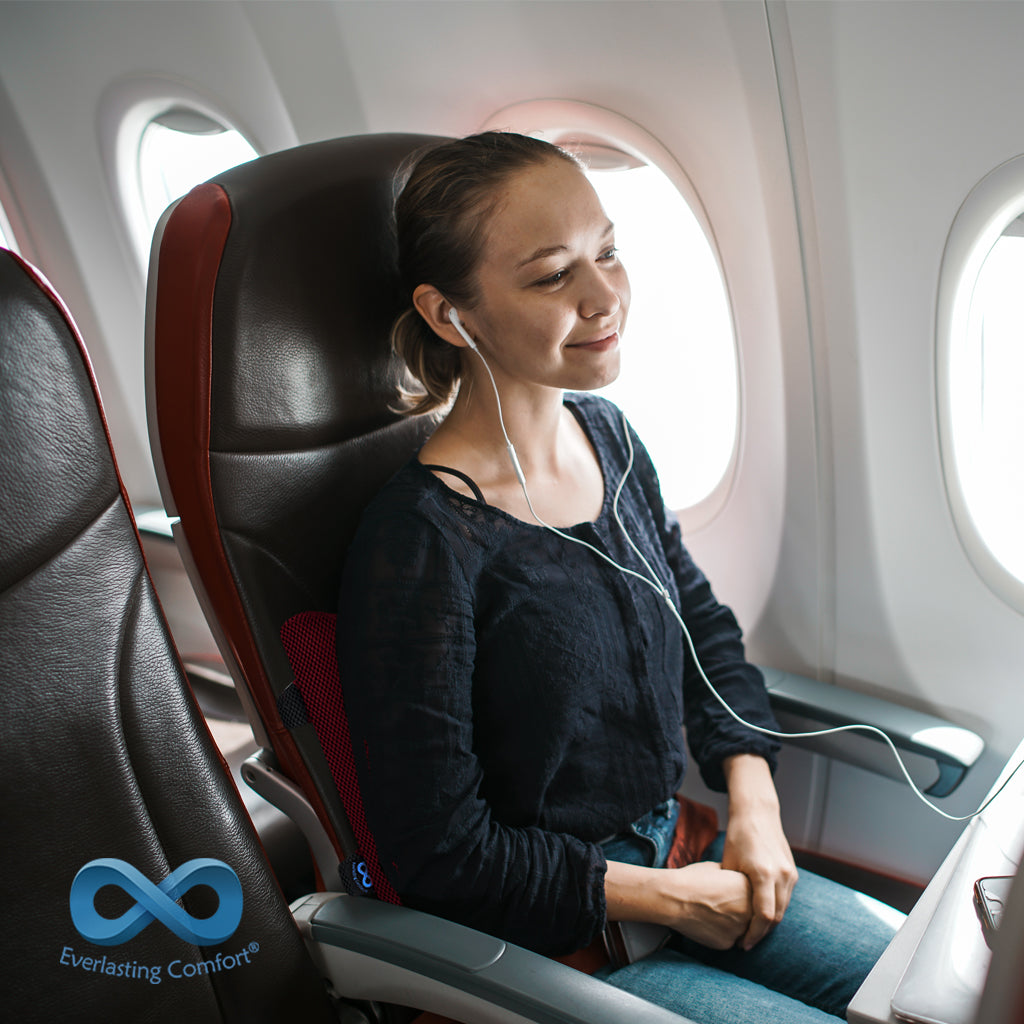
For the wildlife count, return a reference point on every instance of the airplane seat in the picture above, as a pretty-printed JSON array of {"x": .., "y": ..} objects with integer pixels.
[
  {"x": 108, "y": 769},
  {"x": 135, "y": 886},
  {"x": 272, "y": 292}
]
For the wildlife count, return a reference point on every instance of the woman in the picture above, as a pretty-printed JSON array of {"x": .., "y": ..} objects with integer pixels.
[{"x": 518, "y": 715}]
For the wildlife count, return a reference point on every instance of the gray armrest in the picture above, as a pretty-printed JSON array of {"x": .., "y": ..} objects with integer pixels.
[
  {"x": 373, "y": 950},
  {"x": 261, "y": 775},
  {"x": 803, "y": 704}
]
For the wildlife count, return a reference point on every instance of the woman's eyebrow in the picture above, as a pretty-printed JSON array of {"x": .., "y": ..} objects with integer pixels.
[
  {"x": 539, "y": 254},
  {"x": 553, "y": 250}
]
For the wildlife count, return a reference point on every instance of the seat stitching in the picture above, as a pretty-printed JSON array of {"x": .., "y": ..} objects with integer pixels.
[{"x": 54, "y": 555}]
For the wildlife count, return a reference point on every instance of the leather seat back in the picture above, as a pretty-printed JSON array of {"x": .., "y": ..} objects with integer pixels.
[
  {"x": 104, "y": 753},
  {"x": 273, "y": 289}
]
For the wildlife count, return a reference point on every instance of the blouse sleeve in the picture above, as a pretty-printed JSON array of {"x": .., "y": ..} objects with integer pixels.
[
  {"x": 711, "y": 732},
  {"x": 406, "y": 652}
]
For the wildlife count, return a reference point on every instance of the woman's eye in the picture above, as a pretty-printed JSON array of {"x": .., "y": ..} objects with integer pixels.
[
  {"x": 552, "y": 278},
  {"x": 607, "y": 256}
]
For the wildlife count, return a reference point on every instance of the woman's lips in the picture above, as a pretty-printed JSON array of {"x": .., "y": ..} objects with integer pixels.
[{"x": 602, "y": 344}]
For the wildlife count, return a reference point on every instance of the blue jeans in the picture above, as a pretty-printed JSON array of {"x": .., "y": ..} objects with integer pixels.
[{"x": 805, "y": 971}]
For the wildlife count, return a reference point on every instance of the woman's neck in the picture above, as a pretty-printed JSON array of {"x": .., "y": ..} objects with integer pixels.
[
  {"x": 533, "y": 420},
  {"x": 563, "y": 475}
]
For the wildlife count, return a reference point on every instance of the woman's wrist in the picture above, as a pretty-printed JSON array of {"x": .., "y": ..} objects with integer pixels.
[
  {"x": 634, "y": 893},
  {"x": 703, "y": 901},
  {"x": 750, "y": 785}
]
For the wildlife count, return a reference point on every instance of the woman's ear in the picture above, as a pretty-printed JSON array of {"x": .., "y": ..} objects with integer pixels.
[{"x": 434, "y": 308}]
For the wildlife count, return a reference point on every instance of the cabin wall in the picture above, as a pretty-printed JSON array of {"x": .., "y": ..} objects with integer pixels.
[{"x": 904, "y": 107}]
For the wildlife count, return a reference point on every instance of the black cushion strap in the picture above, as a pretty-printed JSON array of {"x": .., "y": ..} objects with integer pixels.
[
  {"x": 291, "y": 707},
  {"x": 467, "y": 480}
]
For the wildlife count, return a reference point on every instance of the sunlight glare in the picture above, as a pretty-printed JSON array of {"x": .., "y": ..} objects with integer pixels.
[
  {"x": 987, "y": 410},
  {"x": 172, "y": 162},
  {"x": 679, "y": 383}
]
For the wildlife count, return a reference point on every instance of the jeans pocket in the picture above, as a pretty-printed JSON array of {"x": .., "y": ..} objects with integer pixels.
[{"x": 647, "y": 841}]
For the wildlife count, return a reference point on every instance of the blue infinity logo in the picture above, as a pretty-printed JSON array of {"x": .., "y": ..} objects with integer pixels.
[{"x": 156, "y": 901}]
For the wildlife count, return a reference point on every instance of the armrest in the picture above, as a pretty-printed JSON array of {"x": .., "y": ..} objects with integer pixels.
[
  {"x": 377, "y": 951},
  {"x": 261, "y": 775},
  {"x": 803, "y": 704}
]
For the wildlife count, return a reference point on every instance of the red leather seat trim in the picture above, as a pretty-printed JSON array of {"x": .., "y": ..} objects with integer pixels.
[{"x": 190, "y": 254}]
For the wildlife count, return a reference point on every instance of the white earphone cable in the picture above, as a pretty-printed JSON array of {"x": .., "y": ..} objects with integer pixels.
[{"x": 654, "y": 582}]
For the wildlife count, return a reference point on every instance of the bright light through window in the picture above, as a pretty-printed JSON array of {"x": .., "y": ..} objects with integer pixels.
[
  {"x": 679, "y": 383},
  {"x": 172, "y": 162},
  {"x": 987, "y": 376}
]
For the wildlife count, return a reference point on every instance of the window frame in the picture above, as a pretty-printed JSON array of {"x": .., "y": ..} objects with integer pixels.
[
  {"x": 11, "y": 225},
  {"x": 592, "y": 124},
  {"x": 126, "y": 111},
  {"x": 990, "y": 207},
  {"x": 7, "y": 239}
]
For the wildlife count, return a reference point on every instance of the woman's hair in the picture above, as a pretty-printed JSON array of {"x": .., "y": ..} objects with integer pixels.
[{"x": 441, "y": 219}]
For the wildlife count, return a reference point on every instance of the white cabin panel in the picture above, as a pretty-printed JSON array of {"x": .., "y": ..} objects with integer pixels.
[{"x": 904, "y": 107}]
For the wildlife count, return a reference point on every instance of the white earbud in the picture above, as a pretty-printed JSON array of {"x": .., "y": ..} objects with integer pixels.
[{"x": 453, "y": 316}]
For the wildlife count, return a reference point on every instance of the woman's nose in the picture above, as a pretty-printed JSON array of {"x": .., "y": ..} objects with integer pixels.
[{"x": 599, "y": 295}]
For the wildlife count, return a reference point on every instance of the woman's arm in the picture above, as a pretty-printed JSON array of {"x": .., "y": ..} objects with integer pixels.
[
  {"x": 705, "y": 902},
  {"x": 755, "y": 843},
  {"x": 712, "y": 733},
  {"x": 407, "y": 651},
  {"x": 731, "y": 756}
]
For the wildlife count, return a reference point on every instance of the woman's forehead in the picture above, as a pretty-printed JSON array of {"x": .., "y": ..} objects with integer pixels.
[{"x": 543, "y": 207}]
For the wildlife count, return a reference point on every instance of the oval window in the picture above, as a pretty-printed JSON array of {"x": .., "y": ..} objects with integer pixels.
[
  {"x": 679, "y": 383},
  {"x": 988, "y": 414},
  {"x": 981, "y": 366}
]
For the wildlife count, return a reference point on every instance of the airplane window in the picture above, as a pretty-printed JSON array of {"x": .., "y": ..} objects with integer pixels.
[
  {"x": 980, "y": 371},
  {"x": 177, "y": 150},
  {"x": 679, "y": 379},
  {"x": 986, "y": 375}
]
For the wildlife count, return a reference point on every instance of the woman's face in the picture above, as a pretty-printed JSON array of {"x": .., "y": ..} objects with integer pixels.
[{"x": 553, "y": 295}]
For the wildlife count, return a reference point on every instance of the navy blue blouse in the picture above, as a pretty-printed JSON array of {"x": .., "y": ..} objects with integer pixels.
[{"x": 513, "y": 699}]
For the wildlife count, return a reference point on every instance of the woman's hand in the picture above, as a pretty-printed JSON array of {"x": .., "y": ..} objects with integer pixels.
[
  {"x": 702, "y": 901},
  {"x": 716, "y": 906},
  {"x": 756, "y": 845}
]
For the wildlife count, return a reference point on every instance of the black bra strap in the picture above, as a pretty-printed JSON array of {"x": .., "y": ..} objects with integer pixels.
[{"x": 467, "y": 480}]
